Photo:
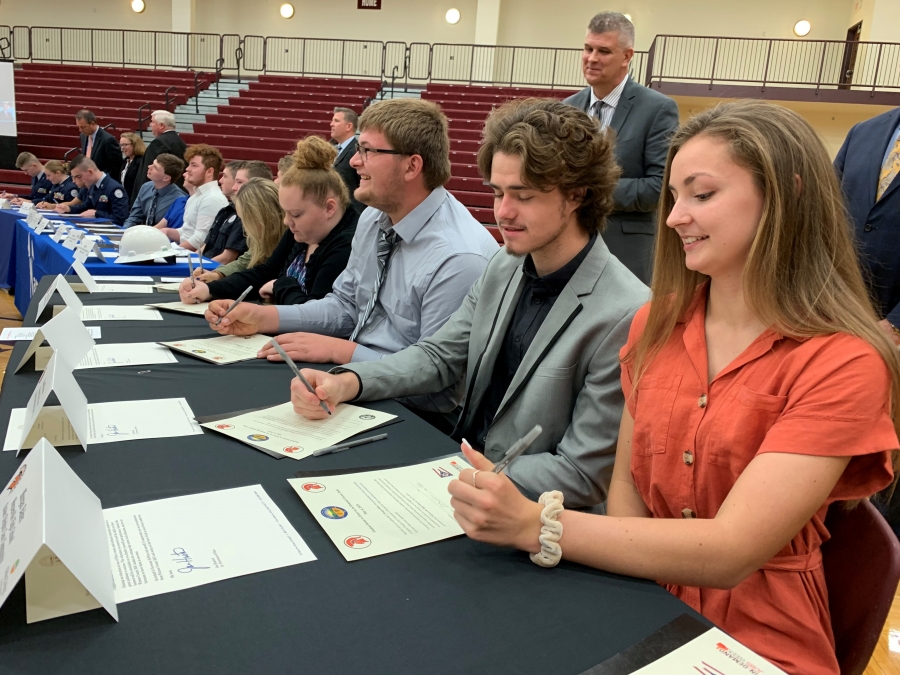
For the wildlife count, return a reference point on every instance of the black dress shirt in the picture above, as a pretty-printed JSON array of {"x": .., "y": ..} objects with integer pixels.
[
  {"x": 538, "y": 297},
  {"x": 227, "y": 232}
]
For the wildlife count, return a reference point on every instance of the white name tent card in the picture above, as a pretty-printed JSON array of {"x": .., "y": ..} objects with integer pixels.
[
  {"x": 43, "y": 225},
  {"x": 61, "y": 232},
  {"x": 88, "y": 247},
  {"x": 4, "y": 203},
  {"x": 61, "y": 286},
  {"x": 72, "y": 239},
  {"x": 371, "y": 513},
  {"x": 53, "y": 532},
  {"x": 32, "y": 219},
  {"x": 58, "y": 378},
  {"x": 90, "y": 284},
  {"x": 26, "y": 207},
  {"x": 66, "y": 335},
  {"x": 713, "y": 652}
]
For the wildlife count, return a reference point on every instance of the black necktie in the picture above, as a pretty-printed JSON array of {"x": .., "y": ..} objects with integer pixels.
[{"x": 151, "y": 214}]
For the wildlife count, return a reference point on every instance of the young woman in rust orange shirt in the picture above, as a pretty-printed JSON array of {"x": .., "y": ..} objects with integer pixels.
[{"x": 759, "y": 390}]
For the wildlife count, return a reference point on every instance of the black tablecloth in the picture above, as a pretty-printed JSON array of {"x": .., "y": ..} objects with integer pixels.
[{"x": 456, "y": 606}]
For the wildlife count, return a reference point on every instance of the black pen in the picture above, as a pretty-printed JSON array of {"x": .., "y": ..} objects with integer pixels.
[
  {"x": 191, "y": 271},
  {"x": 288, "y": 360},
  {"x": 340, "y": 447}
]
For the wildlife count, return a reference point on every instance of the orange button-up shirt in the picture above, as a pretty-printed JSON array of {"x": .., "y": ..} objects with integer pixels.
[{"x": 824, "y": 396}]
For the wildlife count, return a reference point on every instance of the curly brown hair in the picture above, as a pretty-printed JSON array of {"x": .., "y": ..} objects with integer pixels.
[{"x": 560, "y": 147}]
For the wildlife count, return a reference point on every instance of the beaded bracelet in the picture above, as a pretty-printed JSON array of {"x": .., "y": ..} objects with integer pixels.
[{"x": 551, "y": 530}]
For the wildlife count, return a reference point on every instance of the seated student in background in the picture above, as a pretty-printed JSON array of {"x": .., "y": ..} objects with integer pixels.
[
  {"x": 63, "y": 188},
  {"x": 537, "y": 339},
  {"x": 759, "y": 390},
  {"x": 204, "y": 163},
  {"x": 158, "y": 194},
  {"x": 106, "y": 197},
  {"x": 81, "y": 194},
  {"x": 40, "y": 183},
  {"x": 226, "y": 242},
  {"x": 316, "y": 246},
  {"x": 416, "y": 253},
  {"x": 133, "y": 148},
  {"x": 284, "y": 164}
]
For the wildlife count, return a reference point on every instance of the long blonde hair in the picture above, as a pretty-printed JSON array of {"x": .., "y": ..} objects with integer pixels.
[
  {"x": 257, "y": 205},
  {"x": 802, "y": 277}
]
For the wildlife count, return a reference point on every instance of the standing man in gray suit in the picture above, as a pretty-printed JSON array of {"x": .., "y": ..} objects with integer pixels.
[
  {"x": 538, "y": 336},
  {"x": 343, "y": 135},
  {"x": 643, "y": 121}
]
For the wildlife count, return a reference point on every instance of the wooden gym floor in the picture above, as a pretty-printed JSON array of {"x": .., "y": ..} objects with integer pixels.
[{"x": 884, "y": 661}]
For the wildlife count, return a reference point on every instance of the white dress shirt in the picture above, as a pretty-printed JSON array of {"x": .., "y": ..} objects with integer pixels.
[
  {"x": 200, "y": 212},
  {"x": 610, "y": 101}
]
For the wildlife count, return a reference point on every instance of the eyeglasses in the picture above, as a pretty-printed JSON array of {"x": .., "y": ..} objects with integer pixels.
[
  {"x": 124, "y": 145},
  {"x": 364, "y": 152}
]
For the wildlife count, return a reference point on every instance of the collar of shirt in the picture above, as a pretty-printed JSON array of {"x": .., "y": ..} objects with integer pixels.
[
  {"x": 553, "y": 283},
  {"x": 206, "y": 188},
  {"x": 171, "y": 187},
  {"x": 415, "y": 220},
  {"x": 341, "y": 146},
  {"x": 39, "y": 177},
  {"x": 612, "y": 98},
  {"x": 99, "y": 184},
  {"x": 891, "y": 143}
]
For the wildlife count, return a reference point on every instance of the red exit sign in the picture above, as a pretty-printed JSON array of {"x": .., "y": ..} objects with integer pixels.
[{"x": 368, "y": 4}]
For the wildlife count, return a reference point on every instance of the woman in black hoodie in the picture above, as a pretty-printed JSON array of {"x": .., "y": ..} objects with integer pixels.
[{"x": 312, "y": 201}]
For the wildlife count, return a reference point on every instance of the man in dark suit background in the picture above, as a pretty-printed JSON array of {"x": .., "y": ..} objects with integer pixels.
[
  {"x": 343, "y": 134},
  {"x": 98, "y": 144},
  {"x": 162, "y": 125},
  {"x": 643, "y": 121},
  {"x": 868, "y": 165}
]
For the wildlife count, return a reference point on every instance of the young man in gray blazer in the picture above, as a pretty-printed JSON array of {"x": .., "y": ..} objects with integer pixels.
[
  {"x": 538, "y": 336},
  {"x": 642, "y": 120}
]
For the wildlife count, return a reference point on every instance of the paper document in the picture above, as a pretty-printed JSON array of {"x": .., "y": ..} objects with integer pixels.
[
  {"x": 172, "y": 280},
  {"x": 281, "y": 431},
  {"x": 117, "y": 313},
  {"x": 182, "y": 542},
  {"x": 111, "y": 277},
  {"x": 713, "y": 653},
  {"x": 181, "y": 307},
  {"x": 169, "y": 287},
  {"x": 114, "y": 288},
  {"x": 108, "y": 423},
  {"x": 377, "y": 512},
  {"x": 109, "y": 356},
  {"x": 224, "y": 349},
  {"x": 27, "y": 333}
]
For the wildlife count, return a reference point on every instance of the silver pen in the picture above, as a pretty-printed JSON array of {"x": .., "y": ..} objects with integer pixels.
[
  {"x": 518, "y": 448},
  {"x": 340, "y": 447},
  {"x": 288, "y": 360},
  {"x": 200, "y": 257},
  {"x": 191, "y": 271},
  {"x": 234, "y": 304}
]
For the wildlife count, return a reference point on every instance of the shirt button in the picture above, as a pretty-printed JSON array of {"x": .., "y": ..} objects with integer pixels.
[
  {"x": 687, "y": 513},
  {"x": 867, "y": 228},
  {"x": 688, "y": 457},
  {"x": 518, "y": 338},
  {"x": 537, "y": 301},
  {"x": 702, "y": 401}
]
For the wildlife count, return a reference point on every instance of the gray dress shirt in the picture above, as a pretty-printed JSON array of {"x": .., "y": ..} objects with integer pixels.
[
  {"x": 443, "y": 250},
  {"x": 141, "y": 207}
]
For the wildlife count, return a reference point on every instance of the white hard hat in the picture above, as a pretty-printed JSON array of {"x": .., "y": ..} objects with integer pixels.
[{"x": 141, "y": 243}]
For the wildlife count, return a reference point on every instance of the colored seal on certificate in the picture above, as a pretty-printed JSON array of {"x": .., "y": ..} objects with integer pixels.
[
  {"x": 293, "y": 448},
  {"x": 334, "y": 512},
  {"x": 313, "y": 487},
  {"x": 357, "y": 541},
  {"x": 224, "y": 426},
  {"x": 257, "y": 437},
  {"x": 367, "y": 417}
]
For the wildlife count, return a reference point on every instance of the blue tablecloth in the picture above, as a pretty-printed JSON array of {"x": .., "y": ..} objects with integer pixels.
[{"x": 39, "y": 255}]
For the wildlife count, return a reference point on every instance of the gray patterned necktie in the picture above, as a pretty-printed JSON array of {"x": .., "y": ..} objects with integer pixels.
[
  {"x": 386, "y": 241},
  {"x": 597, "y": 113}
]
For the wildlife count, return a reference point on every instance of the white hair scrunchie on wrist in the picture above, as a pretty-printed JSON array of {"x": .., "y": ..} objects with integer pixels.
[{"x": 551, "y": 530}]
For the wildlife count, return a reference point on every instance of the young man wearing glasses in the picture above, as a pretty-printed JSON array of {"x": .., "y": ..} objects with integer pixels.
[{"x": 416, "y": 253}]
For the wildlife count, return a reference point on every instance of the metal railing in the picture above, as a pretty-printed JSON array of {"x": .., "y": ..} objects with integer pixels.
[{"x": 761, "y": 62}]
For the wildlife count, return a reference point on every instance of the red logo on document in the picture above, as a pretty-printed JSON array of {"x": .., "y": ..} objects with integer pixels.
[
  {"x": 17, "y": 479},
  {"x": 357, "y": 541},
  {"x": 224, "y": 426},
  {"x": 313, "y": 487},
  {"x": 442, "y": 472},
  {"x": 293, "y": 448}
]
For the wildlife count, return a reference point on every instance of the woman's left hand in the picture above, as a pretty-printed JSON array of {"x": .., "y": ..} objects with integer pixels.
[{"x": 490, "y": 508}]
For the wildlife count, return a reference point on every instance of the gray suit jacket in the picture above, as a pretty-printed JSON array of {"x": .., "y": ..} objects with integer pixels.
[
  {"x": 568, "y": 381},
  {"x": 643, "y": 122}
]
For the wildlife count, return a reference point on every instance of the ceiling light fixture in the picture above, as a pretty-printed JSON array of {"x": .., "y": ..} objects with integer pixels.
[
  {"x": 287, "y": 10},
  {"x": 138, "y": 6},
  {"x": 802, "y": 28},
  {"x": 452, "y": 16}
]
